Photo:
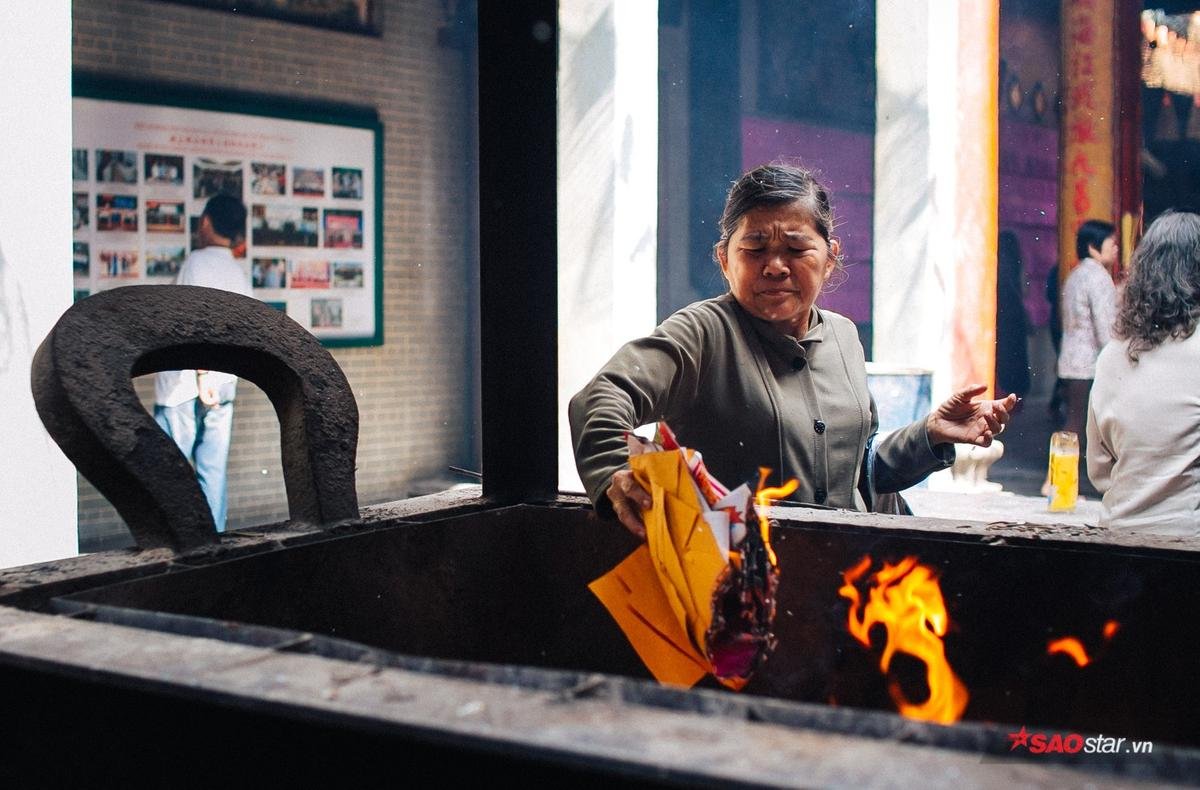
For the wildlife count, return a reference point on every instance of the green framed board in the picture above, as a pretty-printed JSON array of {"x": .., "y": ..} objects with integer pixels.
[{"x": 146, "y": 158}]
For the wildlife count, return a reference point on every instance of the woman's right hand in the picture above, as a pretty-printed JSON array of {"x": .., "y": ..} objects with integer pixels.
[{"x": 629, "y": 499}]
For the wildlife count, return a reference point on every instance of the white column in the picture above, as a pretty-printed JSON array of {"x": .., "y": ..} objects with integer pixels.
[
  {"x": 607, "y": 190},
  {"x": 37, "y": 483},
  {"x": 935, "y": 189},
  {"x": 909, "y": 271}
]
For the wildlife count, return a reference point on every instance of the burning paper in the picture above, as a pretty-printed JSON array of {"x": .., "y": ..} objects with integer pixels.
[{"x": 699, "y": 596}]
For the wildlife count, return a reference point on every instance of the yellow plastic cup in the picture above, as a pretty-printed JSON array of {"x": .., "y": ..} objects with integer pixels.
[{"x": 1064, "y": 471}]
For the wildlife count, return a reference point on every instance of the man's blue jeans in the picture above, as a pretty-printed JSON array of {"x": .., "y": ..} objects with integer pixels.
[{"x": 202, "y": 434}]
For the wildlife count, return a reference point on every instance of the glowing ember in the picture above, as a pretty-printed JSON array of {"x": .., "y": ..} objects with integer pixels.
[
  {"x": 907, "y": 600},
  {"x": 1072, "y": 647},
  {"x": 762, "y": 498}
]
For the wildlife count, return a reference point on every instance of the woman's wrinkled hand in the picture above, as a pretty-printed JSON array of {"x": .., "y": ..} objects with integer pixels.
[
  {"x": 963, "y": 420},
  {"x": 629, "y": 499}
]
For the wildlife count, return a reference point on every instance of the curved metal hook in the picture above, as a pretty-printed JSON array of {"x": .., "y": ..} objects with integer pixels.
[{"x": 82, "y": 384}]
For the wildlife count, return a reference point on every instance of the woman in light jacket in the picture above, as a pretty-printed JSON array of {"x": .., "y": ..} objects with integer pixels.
[{"x": 1143, "y": 421}]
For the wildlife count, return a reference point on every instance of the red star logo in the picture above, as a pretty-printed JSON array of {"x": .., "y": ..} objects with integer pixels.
[{"x": 1019, "y": 738}]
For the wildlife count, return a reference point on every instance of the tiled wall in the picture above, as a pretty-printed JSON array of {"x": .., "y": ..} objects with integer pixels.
[{"x": 415, "y": 393}]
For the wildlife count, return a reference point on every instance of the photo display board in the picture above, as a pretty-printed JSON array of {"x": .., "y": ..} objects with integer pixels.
[{"x": 144, "y": 168}]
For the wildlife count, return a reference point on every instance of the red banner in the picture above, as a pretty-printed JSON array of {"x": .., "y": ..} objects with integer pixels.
[{"x": 1086, "y": 185}]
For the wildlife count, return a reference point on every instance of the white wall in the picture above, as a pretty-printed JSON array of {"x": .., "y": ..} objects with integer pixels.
[
  {"x": 37, "y": 483},
  {"x": 607, "y": 190}
]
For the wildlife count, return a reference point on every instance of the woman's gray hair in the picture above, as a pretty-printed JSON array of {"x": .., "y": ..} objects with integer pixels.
[
  {"x": 775, "y": 185},
  {"x": 1162, "y": 296}
]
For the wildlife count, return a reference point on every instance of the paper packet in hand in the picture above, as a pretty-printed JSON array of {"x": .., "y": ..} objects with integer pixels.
[{"x": 699, "y": 597}]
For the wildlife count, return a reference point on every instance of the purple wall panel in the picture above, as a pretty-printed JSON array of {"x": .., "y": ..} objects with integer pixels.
[
  {"x": 844, "y": 161},
  {"x": 1029, "y": 203}
]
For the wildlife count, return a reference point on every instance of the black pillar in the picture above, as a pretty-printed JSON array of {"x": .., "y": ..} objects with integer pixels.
[{"x": 518, "y": 263}]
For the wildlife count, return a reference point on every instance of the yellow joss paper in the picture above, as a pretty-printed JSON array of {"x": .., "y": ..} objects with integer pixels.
[
  {"x": 649, "y": 623},
  {"x": 664, "y": 591}
]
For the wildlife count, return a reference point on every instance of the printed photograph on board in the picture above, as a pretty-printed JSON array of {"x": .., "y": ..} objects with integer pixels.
[
  {"x": 343, "y": 228},
  {"x": 268, "y": 178},
  {"x": 116, "y": 167},
  {"x": 347, "y": 183},
  {"x": 142, "y": 172},
  {"x": 117, "y": 212},
  {"x": 268, "y": 273},
  {"x": 164, "y": 261},
  {"x": 81, "y": 259},
  {"x": 79, "y": 169},
  {"x": 164, "y": 169},
  {"x": 308, "y": 274},
  {"x": 347, "y": 274},
  {"x": 283, "y": 226},
  {"x": 326, "y": 313},
  {"x": 309, "y": 181},
  {"x": 80, "y": 213},
  {"x": 210, "y": 177},
  {"x": 119, "y": 264},
  {"x": 164, "y": 216}
]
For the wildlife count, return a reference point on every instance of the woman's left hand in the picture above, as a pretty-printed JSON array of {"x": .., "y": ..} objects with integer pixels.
[{"x": 963, "y": 420}]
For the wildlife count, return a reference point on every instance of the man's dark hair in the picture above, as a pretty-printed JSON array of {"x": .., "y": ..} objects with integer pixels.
[
  {"x": 1092, "y": 234},
  {"x": 228, "y": 216}
]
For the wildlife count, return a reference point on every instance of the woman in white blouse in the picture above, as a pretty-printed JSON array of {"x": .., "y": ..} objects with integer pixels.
[
  {"x": 1088, "y": 310},
  {"x": 1143, "y": 423}
]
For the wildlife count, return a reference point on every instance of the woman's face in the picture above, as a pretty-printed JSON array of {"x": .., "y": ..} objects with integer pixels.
[
  {"x": 1106, "y": 256},
  {"x": 776, "y": 262}
]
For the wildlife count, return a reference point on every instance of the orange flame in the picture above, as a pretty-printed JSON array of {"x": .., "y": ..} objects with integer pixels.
[
  {"x": 1072, "y": 647},
  {"x": 907, "y": 600},
  {"x": 762, "y": 498}
]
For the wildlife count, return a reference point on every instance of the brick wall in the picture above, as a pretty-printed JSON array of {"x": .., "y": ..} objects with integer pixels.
[{"x": 415, "y": 393}]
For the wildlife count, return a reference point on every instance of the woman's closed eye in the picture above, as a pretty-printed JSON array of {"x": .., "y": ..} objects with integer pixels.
[{"x": 794, "y": 252}]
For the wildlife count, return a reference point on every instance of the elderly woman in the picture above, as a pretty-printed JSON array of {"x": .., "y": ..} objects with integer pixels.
[
  {"x": 761, "y": 377},
  {"x": 1143, "y": 422}
]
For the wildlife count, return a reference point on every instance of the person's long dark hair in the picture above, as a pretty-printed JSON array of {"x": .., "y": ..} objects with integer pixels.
[{"x": 1162, "y": 296}]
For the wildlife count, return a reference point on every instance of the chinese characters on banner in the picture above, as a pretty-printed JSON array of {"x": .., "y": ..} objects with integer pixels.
[{"x": 1086, "y": 186}]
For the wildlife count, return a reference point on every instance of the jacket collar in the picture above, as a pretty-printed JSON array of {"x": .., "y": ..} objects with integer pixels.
[{"x": 783, "y": 343}]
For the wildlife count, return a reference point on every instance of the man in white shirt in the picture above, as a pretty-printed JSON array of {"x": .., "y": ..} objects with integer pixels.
[{"x": 195, "y": 407}]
